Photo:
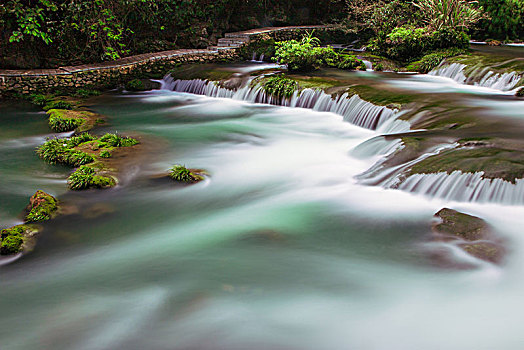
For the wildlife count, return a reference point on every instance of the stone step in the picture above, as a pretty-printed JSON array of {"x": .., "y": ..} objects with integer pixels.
[
  {"x": 231, "y": 41},
  {"x": 237, "y": 36}
]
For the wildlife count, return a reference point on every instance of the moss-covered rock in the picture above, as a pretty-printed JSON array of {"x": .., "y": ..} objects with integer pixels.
[
  {"x": 141, "y": 85},
  {"x": 507, "y": 164},
  {"x": 42, "y": 206},
  {"x": 88, "y": 177},
  {"x": 182, "y": 174},
  {"x": 474, "y": 234}
]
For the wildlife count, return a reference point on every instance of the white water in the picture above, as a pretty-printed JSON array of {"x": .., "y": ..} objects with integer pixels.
[
  {"x": 354, "y": 110},
  {"x": 479, "y": 76},
  {"x": 466, "y": 187}
]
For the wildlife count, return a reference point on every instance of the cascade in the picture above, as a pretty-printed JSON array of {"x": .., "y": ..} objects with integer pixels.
[
  {"x": 479, "y": 76},
  {"x": 352, "y": 108},
  {"x": 466, "y": 187}
]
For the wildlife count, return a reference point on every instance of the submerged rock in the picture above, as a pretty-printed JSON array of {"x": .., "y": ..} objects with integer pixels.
[{"x": 473, "y": 234}]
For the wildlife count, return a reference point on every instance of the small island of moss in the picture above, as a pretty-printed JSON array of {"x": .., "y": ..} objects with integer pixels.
[{"x": 180, "y": 173}]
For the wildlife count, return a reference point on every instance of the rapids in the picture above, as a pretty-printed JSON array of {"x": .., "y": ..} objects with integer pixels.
[{"x": 285, "y": 246}]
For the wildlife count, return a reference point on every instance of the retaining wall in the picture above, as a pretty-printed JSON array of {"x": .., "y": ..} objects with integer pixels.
[{"x": 110, "y": 74}]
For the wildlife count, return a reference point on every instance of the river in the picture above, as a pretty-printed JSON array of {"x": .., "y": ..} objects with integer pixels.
[{"x": 282, "y": 247}]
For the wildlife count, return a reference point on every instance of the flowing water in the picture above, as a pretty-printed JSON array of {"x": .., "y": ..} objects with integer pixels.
[{"x": 282, "y": 247}]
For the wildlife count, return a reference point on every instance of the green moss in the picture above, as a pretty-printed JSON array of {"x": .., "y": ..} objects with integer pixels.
[
  {"x": 58, "y": 104},
  {"x": 494, "y": 162},
  {"x": 42, "y": 206},
  {"x": 60, "y": 122},
  {"x": 58, "y": 151},
  {"x": 12, "y": 244},
  {"x": 468, "y": 227},
  {"x": 350, "y": 62},
  {"x": 85, "y": 93},
  {"x": 41, "y": 100},
  {"x": 380, "y": 97},
  {"x": 113, "y": 140},
  {"x": 432, "y": 60},
  {"x": 201, "y": 71},
  {"x": 182, "y": 174}
]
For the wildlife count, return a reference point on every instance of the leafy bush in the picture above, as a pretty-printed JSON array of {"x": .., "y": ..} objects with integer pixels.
[
  {"x": 305, "y": 55},
  {"x": 505, "y": 19},
  {"x": 458, "y": 14},
  {"x": 280, "y": 86},
  {"x": 351, "y": 62},
  {"x": 182, "y": 174},
  {"x": 135, "y": 85},
  {"x": 408, "y": 43}
]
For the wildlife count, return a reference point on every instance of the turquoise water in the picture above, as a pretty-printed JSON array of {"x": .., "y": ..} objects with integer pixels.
[{"x": 279, "y": 248}]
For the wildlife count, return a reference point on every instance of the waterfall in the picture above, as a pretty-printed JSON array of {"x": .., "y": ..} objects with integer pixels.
[
  {"x": 478, "y": 76},
  {"x": 369, "y": 65},
  {"x": 466, "y": 187},
  {"x": 376, "y": 146},
  {"x": 352, "y": 108}
]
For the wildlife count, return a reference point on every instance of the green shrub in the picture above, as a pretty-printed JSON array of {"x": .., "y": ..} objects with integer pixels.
[
  {"x": 40, "y": 100},
  {"x": 305, "y": 55},
  {"x": 406, "y": 43},
  {"x": 351, "y": 62},
  {"x": 58, "y": 105},
  {"x": 135, "y": 85},
  {"x": 182, "y": 174},
  {"x": 520, "y": 92},
  {"x": 280, "y": 86},
  {"x": 265, "y": 46},
  {"x": 379, "y": 67},
  {"x": 58, "y": 122}
]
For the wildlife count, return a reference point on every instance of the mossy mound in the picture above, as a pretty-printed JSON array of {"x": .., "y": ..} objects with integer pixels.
[
  {"x": 141, "y": 85},
  {"x": 61, "y": 120},
  {"x": 182, "y": 174},
  {"x": 12, "y": 239},
  {"x": 495, "y": 162},
  {"x": 88, "y": 177},
  {"x": 42, "y": 207},
  {"x": 86, "y": 149},
  {"x": 475, "y": 233}
]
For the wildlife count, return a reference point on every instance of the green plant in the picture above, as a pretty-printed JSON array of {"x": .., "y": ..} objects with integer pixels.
[
  {"x": 135, "y": 85},
  {"x": 40, "y": 100},
  {"x": 61, "y": 151},
  {"x": 60, "y": 104},
  {"x": 457, "y": 14},
  {"x": 432, "y": 60},
  {"x": 304, "y": 55},
  {"x": 351, "y": 62},
  {"x": 280, "y": 86},
  {"x": 182, "y": 174},
  {"x": 84, "y": 93},
  {"x": 105, "y": 154},
  {"x": 520, "y": 92},
  {"x": 59, "y": 123},
  {"x": 114, "y": 140}
]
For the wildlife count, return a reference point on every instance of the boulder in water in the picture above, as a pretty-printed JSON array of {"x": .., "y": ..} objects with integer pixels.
[{"x": 474, "y": 234}]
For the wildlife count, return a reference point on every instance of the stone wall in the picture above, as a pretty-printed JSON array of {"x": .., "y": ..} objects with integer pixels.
[{"x": 110, "y": 74}]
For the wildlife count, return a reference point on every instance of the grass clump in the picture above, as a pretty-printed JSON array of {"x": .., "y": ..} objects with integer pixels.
[
  {"x": 86, "y": 177},
  {"x": 433, "y": 59},
  {"x": 182, "y": 174},
  {"x": 58, "y": 151},
  {"x": 40, "y": 99},
  {"x": 280, "y": 86},
  {"x": 42, "y": 207},
  {"x": 113, "y": 140},
  {"x": 105, "y": 154},
  {"x": 59, "y": 104},
  {"x": 59, "y": 122},
  {"x": 85, "y": 93},
  {"x": 11, "y": 244}
]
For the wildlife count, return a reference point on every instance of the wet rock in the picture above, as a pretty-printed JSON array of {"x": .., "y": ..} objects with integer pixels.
[
  {"x": 42, "y": 207},
  {"x": 470, "y": 233}
]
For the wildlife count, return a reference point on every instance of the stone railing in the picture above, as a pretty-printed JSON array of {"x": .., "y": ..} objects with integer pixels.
[{"x": 109, "y": 74}]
